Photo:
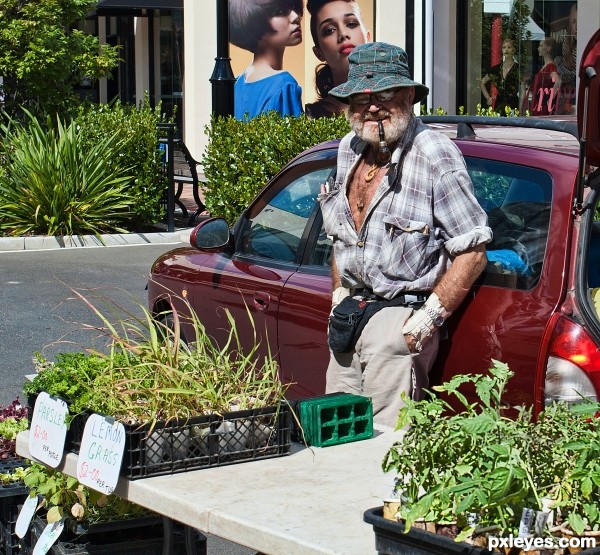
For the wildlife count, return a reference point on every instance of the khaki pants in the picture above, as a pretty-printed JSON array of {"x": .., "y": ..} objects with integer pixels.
[{"x": 381, "y": 367}]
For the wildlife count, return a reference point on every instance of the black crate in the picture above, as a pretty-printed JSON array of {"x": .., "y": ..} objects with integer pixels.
[
  {"x": 142, "y": 536},
  {"x": 12, "y": 495},
  {"x": 180, "y": 445},
  {"x": 9, "y": 541}
]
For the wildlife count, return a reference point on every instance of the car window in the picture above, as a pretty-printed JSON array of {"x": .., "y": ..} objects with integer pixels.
[
  {"x": 517, "y": 200},
  {"x": 320, "y": 255},
  {"x": 275, "y": 230}
]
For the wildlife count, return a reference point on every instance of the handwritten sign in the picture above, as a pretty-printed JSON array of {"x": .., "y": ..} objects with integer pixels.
[
  {"x": 48, "y": 537},
  {"x": 25, "y": 516},
  {"x": 48, "y": 429},
  {"x": 101, "y": 453}
]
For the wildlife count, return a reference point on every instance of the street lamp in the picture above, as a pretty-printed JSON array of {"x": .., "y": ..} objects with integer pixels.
[{"x": 222, "y": 78}]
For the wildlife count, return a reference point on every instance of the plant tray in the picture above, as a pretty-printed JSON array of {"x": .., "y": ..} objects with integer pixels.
[
  {"x": 390, "y": 539},
  {"x": 200, "y": 442},
  {"x": 9, "y": 464},
  {"x": 335, "y": 419}
]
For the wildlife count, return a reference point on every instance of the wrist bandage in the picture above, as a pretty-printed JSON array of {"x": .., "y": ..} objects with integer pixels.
[
  {"x": 424, "y": 321},
  {"x": 338, "y": 295}
]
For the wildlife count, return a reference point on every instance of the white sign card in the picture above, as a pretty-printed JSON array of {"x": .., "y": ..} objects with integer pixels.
[
  {"x": 101, "y": 453},
  {"x": 25, "y": 516},
  {"x": 49, "y": 536},
  {"x": 48, "y": 429}
]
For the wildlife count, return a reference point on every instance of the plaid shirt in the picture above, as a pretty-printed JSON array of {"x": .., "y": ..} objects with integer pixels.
[{"x": 422, "y": 213}]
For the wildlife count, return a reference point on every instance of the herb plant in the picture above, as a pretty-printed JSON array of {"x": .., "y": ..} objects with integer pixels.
[
  {"x": 150, "y": 374},
  {"x": 63, "y": 497},
  {"x": 479, "y": 461}
]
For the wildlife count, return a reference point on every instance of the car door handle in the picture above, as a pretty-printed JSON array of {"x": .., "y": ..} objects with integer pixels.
[{"x": 261, "y": 300}]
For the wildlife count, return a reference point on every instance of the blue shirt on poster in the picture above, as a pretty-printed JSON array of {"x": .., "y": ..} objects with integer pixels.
[{"x": 279, "y": 92}]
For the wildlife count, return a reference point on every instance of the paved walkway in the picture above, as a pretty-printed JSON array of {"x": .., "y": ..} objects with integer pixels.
[{"x": 43, "y": 242}]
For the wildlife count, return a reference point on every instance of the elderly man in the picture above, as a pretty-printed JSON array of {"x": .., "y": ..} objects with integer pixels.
[{"x": 408, "y": 233}]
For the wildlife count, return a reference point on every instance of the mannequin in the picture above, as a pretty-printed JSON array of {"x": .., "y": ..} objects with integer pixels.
[
  {"x": 544, "y": 91},
  {"x": 506, "y": 80}
]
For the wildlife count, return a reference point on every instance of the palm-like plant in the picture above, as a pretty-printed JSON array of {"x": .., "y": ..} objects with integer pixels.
[{"x": 51, "y": 185}]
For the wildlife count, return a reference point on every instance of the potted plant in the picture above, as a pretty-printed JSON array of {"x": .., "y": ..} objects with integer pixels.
[
  {"x": 473, "y": 472},
  {"x": 184, "y": 404}
]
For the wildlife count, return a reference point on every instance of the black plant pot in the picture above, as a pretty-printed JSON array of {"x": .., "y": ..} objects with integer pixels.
[{"x": 390, "y": 539}]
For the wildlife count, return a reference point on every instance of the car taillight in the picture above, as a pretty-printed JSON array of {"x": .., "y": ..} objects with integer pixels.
[{"x": 573, "y": 369}]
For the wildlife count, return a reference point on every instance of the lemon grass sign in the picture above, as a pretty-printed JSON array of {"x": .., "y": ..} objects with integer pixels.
[{"x": 101, "y": 453}]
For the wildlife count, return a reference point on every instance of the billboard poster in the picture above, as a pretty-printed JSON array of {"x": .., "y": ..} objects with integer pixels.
[{"x": 277, "y": 47}]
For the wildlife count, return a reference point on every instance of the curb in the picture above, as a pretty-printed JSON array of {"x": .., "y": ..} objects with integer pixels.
[{"x": 43, "y": 242}]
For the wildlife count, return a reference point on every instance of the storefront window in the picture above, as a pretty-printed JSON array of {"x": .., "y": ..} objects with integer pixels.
[
  {"x": 171, "y": 63},
  {"x": 521, "y": 55}
]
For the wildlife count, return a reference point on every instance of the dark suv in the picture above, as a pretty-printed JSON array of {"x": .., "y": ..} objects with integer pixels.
[{"x": 535, "y": 307}]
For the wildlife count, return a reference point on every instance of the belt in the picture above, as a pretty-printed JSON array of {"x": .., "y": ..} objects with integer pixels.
[{"x": 412, "y": 300}]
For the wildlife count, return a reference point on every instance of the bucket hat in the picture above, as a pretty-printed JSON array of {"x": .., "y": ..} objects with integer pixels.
[{"x": 375, "y": 67}]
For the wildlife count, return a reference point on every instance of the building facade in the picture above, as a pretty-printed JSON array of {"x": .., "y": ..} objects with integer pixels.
[{"x": 168, "y": 51}]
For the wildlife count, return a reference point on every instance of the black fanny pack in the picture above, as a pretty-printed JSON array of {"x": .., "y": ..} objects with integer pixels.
[{"x": 350, "y": 316}]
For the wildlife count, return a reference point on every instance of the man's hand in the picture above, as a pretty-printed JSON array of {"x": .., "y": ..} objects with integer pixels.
[
  {"x": 338, "y": 295},
  {"x": 423, "y": 323},
  {"x": 411, "y": 343}
]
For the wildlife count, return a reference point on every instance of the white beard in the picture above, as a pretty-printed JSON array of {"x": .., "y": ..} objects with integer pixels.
[{"x": 394, "y": 127}]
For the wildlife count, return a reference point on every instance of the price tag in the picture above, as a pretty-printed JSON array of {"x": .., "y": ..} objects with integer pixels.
[
  {"x": 48, "y": 538},
  {"x": 48, "y": 429},
  {"x": 101, "y": 453},
  {"x": 25, "y": 515}
]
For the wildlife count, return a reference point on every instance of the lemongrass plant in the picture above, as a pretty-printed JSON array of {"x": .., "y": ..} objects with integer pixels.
[{"x": 150, "y": 374}]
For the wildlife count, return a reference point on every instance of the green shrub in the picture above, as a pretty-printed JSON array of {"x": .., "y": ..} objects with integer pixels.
[
  {"x": 137, "y": 127},
  {"x": 53, "y": 184},
  {"x": 242, "y": 156}
]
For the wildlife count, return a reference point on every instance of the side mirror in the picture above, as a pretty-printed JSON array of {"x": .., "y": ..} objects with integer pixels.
[{"x": 211, "y": 235}]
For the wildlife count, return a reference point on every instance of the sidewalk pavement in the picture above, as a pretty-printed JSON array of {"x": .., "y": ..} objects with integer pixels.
[{"x": 45, "y": 242}]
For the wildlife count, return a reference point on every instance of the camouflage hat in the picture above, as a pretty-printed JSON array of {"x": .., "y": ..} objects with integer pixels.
[{"x": 375, "y": 67}]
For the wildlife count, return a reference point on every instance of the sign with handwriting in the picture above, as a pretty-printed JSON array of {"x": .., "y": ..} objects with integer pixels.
[
  {"x": 101, "y": 453},
  {"x": 26, "y": 516},
  {"x": 48, "y": 429},
  {"x": 48, "y": 537}
]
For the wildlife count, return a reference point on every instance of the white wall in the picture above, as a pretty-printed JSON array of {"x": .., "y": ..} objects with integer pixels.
[
  {"x": 443, "y": 92},
  {"x": 588, "y": 22},
  {"x": 390, "y": 22},
  {"x": 200, "y": 52}
]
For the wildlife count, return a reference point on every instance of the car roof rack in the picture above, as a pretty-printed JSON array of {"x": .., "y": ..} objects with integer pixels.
[{"x": 465, "y": 123}]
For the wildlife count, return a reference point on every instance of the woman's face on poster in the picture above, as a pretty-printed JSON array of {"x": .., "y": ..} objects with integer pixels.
[
  {"x": 286, "y": 29},
  {"x": 339, "y": 30}
]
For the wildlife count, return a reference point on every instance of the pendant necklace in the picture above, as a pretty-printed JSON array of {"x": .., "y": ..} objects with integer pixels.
[
  {"x": 372, "y": 172},
  {"x": 368, "y": 176}
]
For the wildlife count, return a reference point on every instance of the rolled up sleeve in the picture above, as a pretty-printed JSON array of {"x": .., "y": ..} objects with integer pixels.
[{"x": 462, "y": 220}]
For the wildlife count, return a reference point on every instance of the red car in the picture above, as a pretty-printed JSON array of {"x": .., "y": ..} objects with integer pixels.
[{"x": 533, "y": 307}]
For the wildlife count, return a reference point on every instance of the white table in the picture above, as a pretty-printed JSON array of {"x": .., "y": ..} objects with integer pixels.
[{"x": 309, "y": 502}]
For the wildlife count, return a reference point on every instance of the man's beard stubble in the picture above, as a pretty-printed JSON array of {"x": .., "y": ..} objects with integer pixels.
[{"x": 395, "y": 126}]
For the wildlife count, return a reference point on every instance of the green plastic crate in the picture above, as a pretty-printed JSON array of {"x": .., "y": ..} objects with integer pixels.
[{"x": 335, "y": 419}]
